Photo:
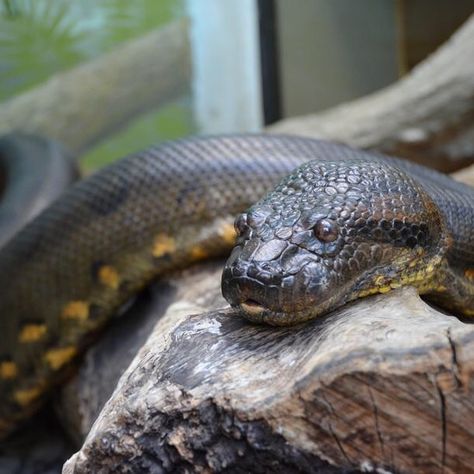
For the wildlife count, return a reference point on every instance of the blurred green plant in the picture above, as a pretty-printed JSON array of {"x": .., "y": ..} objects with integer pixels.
[
  {"x": 41, "y": 37},
  {"x": 170, "y": 122},
  {"x": 36, "y": 40}
]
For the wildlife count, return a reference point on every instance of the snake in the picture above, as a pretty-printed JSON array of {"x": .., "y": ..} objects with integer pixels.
[{"x": 310, "y": 225}]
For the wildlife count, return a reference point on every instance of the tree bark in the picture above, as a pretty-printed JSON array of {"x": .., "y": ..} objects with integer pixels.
[
  {"x": 82, "y": 399},
  {"x": 81, "y": 106},
  {"x": 384, "y": 383},
  {"x": 428, "y": 116}
]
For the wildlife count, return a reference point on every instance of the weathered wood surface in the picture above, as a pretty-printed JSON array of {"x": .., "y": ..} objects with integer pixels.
[
  {"x": 84, "y": 396},
  {"x": 428, "y": 116},
  {"x": 382, "y": 383},
  {"x": 81, "y": 106}
]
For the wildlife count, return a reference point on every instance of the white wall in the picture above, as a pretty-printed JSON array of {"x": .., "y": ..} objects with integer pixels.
[{"x": 226, "y": 65}]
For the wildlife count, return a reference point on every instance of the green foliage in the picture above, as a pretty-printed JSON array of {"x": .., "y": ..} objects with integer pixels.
[
  {"x": 36, "y": 39},
  {"x": 39, "y": 38},
  {"x": 170, "y": 122}
]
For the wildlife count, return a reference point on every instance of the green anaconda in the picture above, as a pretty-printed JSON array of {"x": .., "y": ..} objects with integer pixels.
[{"x": 343, "y": 224}]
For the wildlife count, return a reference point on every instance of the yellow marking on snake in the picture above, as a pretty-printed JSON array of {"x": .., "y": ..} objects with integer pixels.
[
  {"x": 8, "y": 370},
  {"x": 379, "y": 280},
  {"x": 198, "y": 253},
  {"x": 227, "y": 232},
  {"x": 109, "y": 277},
  {"x": 163, "y": 245},
  {"x": 77, "y": 310},
  {"x": 421, "y": 279},
  {"x": 56, "y": 358},
  {"x": 32, "y": 332},
  {"x": 469, "y": 274},
  {"x": 28, "y": 395},
  {"x": 367, "y": 292}
]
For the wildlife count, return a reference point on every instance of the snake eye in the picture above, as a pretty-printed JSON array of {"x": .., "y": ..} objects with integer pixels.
[
  {"x": 326, "y": 230},
  {"x": 240, "y": 224}
]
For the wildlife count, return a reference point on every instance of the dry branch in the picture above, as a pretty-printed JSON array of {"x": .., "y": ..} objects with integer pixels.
[
  {"x": 383, "y": 383},
  {"x": 428, "y": 116},
  {"x": 81, "y": 106}
]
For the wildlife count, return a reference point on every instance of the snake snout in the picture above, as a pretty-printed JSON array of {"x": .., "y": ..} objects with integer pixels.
[
  {"x": 246, "y": 285},
  {"x": 273, "y": 291}
]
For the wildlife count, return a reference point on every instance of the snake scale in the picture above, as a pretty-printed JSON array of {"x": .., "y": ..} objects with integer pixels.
[{"x": 341, "y": 225}]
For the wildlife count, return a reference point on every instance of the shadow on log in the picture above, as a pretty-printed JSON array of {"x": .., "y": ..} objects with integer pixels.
[{"x": 383, "y": 383}]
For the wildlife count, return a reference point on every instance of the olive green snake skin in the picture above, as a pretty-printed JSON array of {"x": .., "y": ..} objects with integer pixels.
[{"x": 344, "y": 225}]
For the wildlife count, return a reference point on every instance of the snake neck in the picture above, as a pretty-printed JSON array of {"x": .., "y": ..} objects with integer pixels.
[{"x": 452, "y": 289}]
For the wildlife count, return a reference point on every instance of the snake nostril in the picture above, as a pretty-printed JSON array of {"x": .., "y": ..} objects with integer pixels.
[{"x": 239, "y": 270}]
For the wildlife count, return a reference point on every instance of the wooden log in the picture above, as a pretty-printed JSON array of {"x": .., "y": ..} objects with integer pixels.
[
  {"x": 428, "y": 116},
  {"x": 79, "y": 107},
  {"x": 384, "y": 383},
  {"x": 82, "y": 399}
]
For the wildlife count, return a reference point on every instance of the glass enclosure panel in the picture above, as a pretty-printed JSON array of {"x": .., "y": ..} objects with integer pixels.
[{"x": 42, "y": 38}]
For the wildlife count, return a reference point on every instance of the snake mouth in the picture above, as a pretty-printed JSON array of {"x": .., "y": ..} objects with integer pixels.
[
  {"x": 268, "y": 292},
  {"x": 252, "y": 308},
  {"x": 258, "y": 313}
]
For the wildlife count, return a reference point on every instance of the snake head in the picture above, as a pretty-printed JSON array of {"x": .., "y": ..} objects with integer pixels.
[{"x": 330, "y": 232}]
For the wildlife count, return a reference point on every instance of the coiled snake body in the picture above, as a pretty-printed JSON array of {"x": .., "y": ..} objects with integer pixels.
[{"x": 345, "y": 224}]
